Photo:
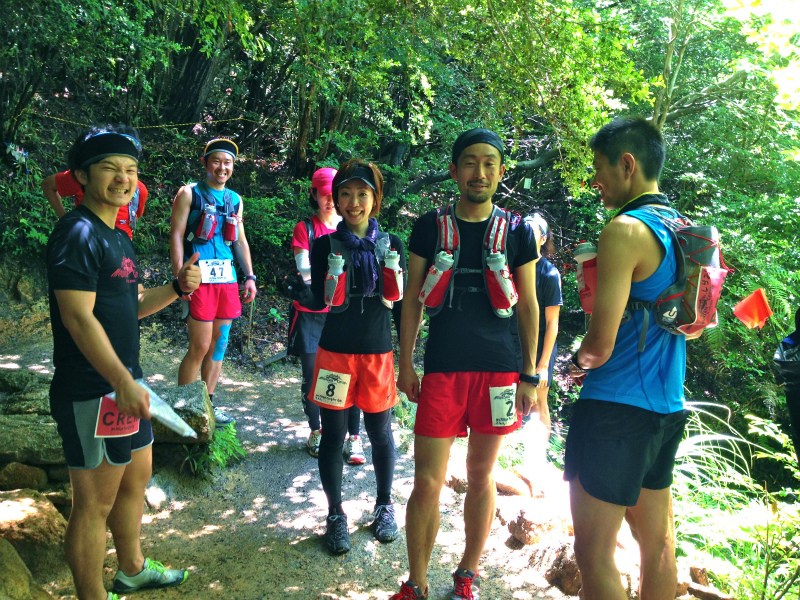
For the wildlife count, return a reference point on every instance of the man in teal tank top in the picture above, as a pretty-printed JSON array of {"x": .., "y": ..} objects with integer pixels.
[
  {"x": 207, "y": 219},
  {"x": 629, "y": 420}
]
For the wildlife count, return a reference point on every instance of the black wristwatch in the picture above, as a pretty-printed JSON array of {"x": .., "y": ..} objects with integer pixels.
[
  {"x": 177, "y": 287},
  {"x": 532, "y": 379},
  {"x": 250, "y": 278}
]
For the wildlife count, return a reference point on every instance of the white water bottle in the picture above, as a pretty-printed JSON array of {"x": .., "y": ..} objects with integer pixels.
[
  {"x": 392, "y": 277},
  {"x": 335, "y": 280},
  {"x": 437, "y": 279},
  {"x": 502, "y": 292}
]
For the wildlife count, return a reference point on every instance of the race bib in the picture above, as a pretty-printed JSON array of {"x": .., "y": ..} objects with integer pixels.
[
  {"x": 216, "y": 270},
  {"x": 112, "y": 423},
  {"x": 331, "y": 388},
  {"x": 503, "y": 400}
]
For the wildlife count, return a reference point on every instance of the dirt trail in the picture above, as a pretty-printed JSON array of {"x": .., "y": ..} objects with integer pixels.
[{"x": 253, "y": 531}]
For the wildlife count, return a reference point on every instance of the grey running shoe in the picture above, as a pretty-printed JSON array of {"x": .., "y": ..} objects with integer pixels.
[
  {"x": 337, "y": 538},
  {"x": 223, "y": 418},
  {"x": 464, "y": 585},
  {"x": 384, "y": 527},
  {"x": 153, "y": 575}
]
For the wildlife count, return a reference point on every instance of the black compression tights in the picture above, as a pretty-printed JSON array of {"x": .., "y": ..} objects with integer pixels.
[
  {"x": 311, "y": 409},
  {"x": 331, "y": 461}
]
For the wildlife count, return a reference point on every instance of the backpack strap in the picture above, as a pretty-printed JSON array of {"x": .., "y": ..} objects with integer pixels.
[
  {"x": 309, "y": 232},
  {"x": 133, "y": 208}
]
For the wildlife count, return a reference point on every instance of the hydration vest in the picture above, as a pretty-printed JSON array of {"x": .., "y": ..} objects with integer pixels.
[
  {"x": 690, "y": 304},
  {"x": 201, "y": 196},
  {"x": 382, "y": 246},
  {"x": 499, "y": 226}
]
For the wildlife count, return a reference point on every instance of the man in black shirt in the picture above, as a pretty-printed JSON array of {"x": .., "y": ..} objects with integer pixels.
[
  {"x": 96, "y": 302},
  {"x": 480, "y": 353}
]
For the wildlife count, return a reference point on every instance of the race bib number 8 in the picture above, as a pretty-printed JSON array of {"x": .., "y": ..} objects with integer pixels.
[
  {"x": 216, "y": 271},
  {"x": 503, "y": 400},
  {"x": 331, "y": 388}
]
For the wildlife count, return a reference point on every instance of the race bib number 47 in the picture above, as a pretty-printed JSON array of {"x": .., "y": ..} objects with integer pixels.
[
  {"x": 112, "y": 423},
  {"x": 504, "y": 409},
  {"x": 331, "y": 388},
  {"x": 216, "y": 271}
]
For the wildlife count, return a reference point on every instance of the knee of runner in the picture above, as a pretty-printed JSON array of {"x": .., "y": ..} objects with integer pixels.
[{"x": 222, "y": 342}]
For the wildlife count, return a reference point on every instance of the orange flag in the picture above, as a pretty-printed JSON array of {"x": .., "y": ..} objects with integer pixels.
[{"x": 754, "y": 310}]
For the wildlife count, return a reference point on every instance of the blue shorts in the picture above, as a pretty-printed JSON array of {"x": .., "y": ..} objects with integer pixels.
[
  {"x": 76, "y": 425},
  {"x": 617, "y": 449}
]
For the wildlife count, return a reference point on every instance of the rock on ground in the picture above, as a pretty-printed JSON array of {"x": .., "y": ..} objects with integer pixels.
[
  {"x": 30, "y": 522},
  {"x": 15, "y": 476},
  {"x": 30, "y": 439},
  {"x": 16, "y": 582}
]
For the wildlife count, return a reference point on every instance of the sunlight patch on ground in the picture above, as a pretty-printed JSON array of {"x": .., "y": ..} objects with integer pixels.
[
  {"x": 226, "y": 381},
  {"x": 206, "y": 530},
  {"x": 18, "y": 510},
  {"x": 9, "y": 365},
  {"x": 156, "y": 377}
]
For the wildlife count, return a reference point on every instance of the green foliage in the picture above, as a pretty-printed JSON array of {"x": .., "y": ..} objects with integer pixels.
[
  {"x": 202, "y": 459},
  {"x": 405, "y": 412}
]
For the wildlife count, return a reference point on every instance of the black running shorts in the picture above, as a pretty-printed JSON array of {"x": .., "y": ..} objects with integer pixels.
[
  {"x": 76, "y": 425},
  {"x": 618, "y": 449}
]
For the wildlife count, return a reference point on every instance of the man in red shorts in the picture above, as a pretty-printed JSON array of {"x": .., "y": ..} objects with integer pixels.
[
  {"x": 464, "y": 261},
  {"x": 207, "y": 218},
  {"x": 60, "y": 185}
]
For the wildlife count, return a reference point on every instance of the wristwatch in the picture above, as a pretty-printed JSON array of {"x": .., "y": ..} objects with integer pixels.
[
  {"x": 177, "y": 287},
  {"x": 532, "y": 379},
  {"x": 250, "y": 278}
]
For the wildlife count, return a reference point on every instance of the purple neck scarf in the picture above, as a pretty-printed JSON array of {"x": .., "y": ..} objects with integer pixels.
[{"x": 361, "y": 252}]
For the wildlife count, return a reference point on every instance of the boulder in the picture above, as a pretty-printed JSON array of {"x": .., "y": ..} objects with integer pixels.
[
  {"x": 30, "y": 439},
  {"x": 33, "y": 401},
  {"x": 192, "y": 404},
  {"x": 15, "y": 476},
  {"x": 15, "y": 579},
  {"x": 58, "y": 473},
  {"x": 31, "y": 523}
]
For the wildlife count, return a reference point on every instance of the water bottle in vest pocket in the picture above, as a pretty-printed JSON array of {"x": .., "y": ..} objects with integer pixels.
[
  {"x": 231, "y": 232},
  {"x": 392, "y": 277},
  {"x": 208, "y": 224},
  {"x": 335, "y": 281},
  {"x": 437, "y": 279},
  {"x": 500, "y": 283}
]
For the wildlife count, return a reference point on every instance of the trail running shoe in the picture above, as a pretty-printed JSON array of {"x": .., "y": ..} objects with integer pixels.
[
  {"x": 464, "y": 586},
  {"x": 384, "y": 527},
  {"x": 337, "y": 538},
  {"x": 223, "y": 418},
  {"x": 153, "y": 575},
  {"x": 410, "y": 591},
  {"x": 354, "y": 450},
  {"x": 313, "y": 442}
]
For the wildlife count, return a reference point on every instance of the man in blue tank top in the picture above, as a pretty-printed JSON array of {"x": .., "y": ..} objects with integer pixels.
[
  {"x": 207, "y": 219},
  {"x": 630, "y": 417}
]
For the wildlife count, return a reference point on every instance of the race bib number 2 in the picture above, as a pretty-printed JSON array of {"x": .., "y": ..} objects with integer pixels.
[
  {"x": 216, "y": 271},
  {"x": 331, "y": 388},
  {"x": 504, "y": 408}
]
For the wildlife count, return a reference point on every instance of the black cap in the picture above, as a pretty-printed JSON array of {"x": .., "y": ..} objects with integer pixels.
[
  {"x": 479, "y": 135},
  {"x": 221, "y": 145}
]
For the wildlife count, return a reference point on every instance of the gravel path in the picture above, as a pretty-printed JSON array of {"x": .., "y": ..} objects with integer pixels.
[{"x": 254, "y": 531}]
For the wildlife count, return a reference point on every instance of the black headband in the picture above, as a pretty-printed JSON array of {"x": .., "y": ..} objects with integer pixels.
[
  {"x": 110, "y": 143},
  {"x": 361, "y": 172},
  {"x": 477, "y": 136},
  {"x": 221, "y": 145}
]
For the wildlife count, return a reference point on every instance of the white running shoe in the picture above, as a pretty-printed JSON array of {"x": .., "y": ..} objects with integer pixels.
[
  {"x": 354, "y": 450},
  {"x": 313, "y": 442}
]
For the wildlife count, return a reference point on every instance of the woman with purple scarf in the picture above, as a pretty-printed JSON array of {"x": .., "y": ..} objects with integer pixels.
[{"x": 357, "y": 271}]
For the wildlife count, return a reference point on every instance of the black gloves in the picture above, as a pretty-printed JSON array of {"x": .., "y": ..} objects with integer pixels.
[{"x": 300, "y": 291}]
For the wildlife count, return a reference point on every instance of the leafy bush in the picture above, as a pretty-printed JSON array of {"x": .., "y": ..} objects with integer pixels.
[{"x": 201, "y": 459}]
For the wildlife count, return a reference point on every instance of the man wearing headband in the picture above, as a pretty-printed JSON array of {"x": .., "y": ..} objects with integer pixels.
[
  {"x": 207, "y": 218},
  {"x": 60, "y": 185},
  {"x": 629, "y": 420},
  {"x": 479, "y": 357},
  {"x": 96, "y": 302}
]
